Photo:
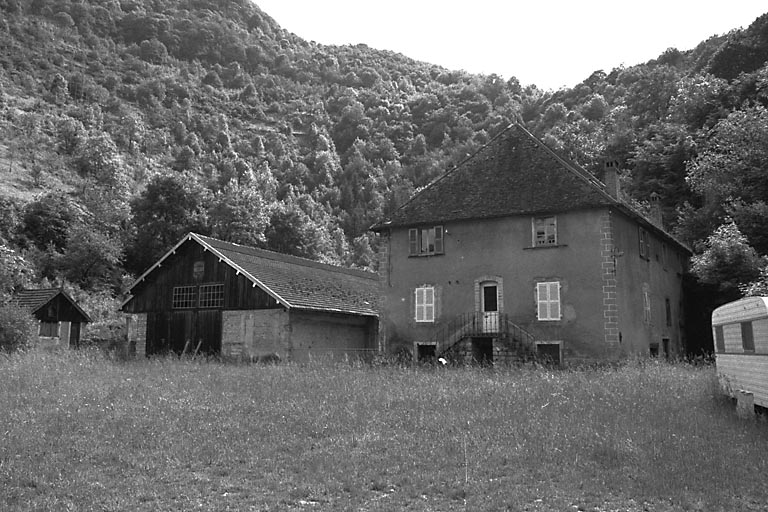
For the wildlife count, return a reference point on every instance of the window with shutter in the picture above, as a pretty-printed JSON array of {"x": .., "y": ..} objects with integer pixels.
[
  {"x": 426, "y": 241},
  {"x": 548, "y": 301},
  {"x": 425, "y": 304}
]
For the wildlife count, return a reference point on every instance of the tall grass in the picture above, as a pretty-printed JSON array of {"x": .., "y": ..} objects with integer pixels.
[{"x": 78, "y": 432}]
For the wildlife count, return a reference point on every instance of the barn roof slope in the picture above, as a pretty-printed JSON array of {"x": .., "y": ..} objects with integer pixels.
[
  {"x": 294, "y": 282},
  {"x": 514, "y": 173},
  {"x": 35, "y": 300}
]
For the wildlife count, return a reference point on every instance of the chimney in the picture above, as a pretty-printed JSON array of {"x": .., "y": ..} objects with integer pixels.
[
  {"x": 655, "y": 211},
  {"x": 611, "y": 178}
]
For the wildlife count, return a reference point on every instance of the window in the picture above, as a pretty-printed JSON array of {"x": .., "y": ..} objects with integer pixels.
[
  {"x": 49, "y": 329},
  {"x": 719, "y": 339},
  {"x": 544, "y": 231},
  {"x": 425, "y": 241},
  {"x": 212, "y": 295},
  {"x": 645, "y": 244},
  {"x": 548, "y": 301},
  {"x": 425, "y": 304},
  {"x": 668, "y": 310},
  {"x": 184, "y": 297},
  {"x": 664, "y": 256},
  {"x": 646, "y": 304},
  {"x": 747, "y": 338}
]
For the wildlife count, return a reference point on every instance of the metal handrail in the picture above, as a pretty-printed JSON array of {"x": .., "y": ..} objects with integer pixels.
[{"x": 479, "y": 323}]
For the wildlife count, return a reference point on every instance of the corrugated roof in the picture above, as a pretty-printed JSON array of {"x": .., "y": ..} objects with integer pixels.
[{"x": 295, "y": 282}]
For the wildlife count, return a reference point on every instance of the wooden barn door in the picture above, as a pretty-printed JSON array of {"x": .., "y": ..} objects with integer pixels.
[
  {"x": 182, "y": 331},
  {"x": 208, "y": 331},
  {"x": 158, "y": 333}
]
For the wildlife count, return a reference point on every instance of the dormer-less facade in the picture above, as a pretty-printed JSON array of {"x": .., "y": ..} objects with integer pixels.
[{"x": 517, "y": 251}]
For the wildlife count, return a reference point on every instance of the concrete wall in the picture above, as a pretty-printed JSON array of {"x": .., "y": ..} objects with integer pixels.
[
  {"x": 250, "y": 335},
  {"x": 331, "y": 337},
  {"x": 601, "y": 288}
]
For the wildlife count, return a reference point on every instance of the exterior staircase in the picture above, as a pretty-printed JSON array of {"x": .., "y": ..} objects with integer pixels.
[{"x": 510, "y": 342}]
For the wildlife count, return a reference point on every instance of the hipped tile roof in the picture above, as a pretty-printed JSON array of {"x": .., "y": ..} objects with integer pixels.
[
  {"x": 513, "y": 174},
  {"x": 295, "y": 282}
]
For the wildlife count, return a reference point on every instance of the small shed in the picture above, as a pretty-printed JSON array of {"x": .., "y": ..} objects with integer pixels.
[
  {"x": 740, "y": 331},
  {"x": 59, "y": 316},
  {"x": 209, "y": 296}
]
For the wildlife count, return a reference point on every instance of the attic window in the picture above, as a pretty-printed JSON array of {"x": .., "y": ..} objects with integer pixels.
[
  {"x": 425, "y": 241},
  {"x": 544, "y": 231}
]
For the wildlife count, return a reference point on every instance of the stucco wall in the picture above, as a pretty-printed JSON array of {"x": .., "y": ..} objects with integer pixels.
[
  {"x": 662, "y": 279},
  {"x": 502, "y": 250}
]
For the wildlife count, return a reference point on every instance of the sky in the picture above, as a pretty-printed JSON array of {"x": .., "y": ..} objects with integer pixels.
[{"x": 552, "y": 44}]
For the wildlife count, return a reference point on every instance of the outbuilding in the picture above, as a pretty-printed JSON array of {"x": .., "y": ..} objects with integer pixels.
[
  {"x": 60, "y": 318},
  {"x": 740, "y": 331},
  {"x": 207, "y": 296}
]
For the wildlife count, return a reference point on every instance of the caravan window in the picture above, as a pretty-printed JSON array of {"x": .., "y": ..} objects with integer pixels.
[{"x": 747, "y": 338}]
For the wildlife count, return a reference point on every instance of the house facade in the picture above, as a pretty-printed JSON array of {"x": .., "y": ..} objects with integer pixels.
[
  {"x": 214, "y": 297},
  {"x": 517, "y": 252},
  {"x": 59, "y": 317}
]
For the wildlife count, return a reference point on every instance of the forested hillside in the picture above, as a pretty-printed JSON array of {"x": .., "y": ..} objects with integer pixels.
[{"x": 126, "y": 123}]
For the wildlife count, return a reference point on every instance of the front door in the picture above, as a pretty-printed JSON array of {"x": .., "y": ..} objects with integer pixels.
[{"x": 490, "y": 307}]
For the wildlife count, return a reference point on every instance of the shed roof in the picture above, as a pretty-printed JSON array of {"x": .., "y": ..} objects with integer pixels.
[
  {"x": 294, "y": 282},
  {"x": 35, "y": 300},
  {"x": 513, "y": 174}
]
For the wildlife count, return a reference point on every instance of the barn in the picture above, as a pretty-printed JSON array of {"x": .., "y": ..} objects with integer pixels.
[
  {"x": 207, "y": 296},
  {"x": 59, "y": 316}
]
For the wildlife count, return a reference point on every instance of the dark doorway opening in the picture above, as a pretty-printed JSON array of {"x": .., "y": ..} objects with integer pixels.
[
  {"x": 482, "y": 350},
  {"x": 426, "y": 353},
  {"x": 549, "y": 352}
]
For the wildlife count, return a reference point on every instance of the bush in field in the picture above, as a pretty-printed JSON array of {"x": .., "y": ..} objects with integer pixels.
[{"x": 18, "y": 329}]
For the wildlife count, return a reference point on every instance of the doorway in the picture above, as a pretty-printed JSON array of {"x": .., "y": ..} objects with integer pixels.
[
  {"x": 482, "y": 350},
  {"x": 489, "y": 306}
]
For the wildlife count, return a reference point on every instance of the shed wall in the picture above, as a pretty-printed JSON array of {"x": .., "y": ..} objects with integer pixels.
[
  {"x": 331, "y": 337},
  {"x": 249, "y": 335}
]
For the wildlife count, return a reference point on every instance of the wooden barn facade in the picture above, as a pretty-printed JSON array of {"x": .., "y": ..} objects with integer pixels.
[
  {"x": 59, "y": 316},
  {"x": 214, "y": 297}
]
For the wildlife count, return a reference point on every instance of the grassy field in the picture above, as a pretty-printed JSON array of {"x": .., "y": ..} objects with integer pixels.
[{"x": 78, "y": 432}]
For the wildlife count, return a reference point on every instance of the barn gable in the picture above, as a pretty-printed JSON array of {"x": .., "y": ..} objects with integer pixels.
[{"x": 207, "y": 295}]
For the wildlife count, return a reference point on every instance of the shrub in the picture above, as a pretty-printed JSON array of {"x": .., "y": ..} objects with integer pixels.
[{"x": 18, "y": 329}]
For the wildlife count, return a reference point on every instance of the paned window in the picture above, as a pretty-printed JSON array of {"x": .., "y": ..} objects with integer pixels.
[
  {"x": 425, "y": 241},
  {"x": 211, "y": 295},
  {"x": 184, "y": 297},
  {"x": 548, "y": 301},
  {"x": 425, "y": 304},
  {"x": 645, "y": 244},
  {"x": 747, "y": 337},
  {"x": 544, "y": 231},
  {"x": 49, "y": 329}
]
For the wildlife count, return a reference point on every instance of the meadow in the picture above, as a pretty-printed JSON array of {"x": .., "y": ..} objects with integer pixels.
[{"x": 81, "y": 432}]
